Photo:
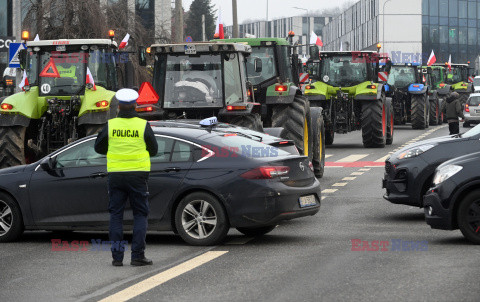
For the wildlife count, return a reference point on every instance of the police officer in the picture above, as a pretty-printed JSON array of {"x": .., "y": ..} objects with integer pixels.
[{"x": 129, "y": 142}]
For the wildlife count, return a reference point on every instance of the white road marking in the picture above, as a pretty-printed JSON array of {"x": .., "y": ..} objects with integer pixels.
[
  {"x": 365, "y": 170},
  {"x": 328, "y": 155},
  {"x": 323, "y": 197},
  {"x": 352, "y": 158},
  {"x": 326, "y": 191},
  {"x": 381, "y": 160},
  {"x": 349, "y": 178},
  {"x": 357, "y": 173},
  {"x": 158, "y": 279},
  {"x": 339, "y": 184}
]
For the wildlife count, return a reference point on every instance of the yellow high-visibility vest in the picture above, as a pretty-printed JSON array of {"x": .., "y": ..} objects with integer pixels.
[{"x": 127, "y": 150}]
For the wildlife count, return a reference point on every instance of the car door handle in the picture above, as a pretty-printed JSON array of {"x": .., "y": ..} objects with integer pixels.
[
  {"x": 172, "y": 169},
  {"x": 99, "y": 174}
]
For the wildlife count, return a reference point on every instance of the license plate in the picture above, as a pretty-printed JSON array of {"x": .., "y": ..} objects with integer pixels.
[
  {"x": 307, "y": 201},
  {"x": 190, "y": 50}
]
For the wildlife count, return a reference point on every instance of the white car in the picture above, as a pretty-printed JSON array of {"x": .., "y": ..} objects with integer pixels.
[
  {"x": 476, "y": 84},
  {"x": 471, "y": 110}
]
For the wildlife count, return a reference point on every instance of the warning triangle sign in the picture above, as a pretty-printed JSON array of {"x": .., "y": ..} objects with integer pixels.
[
  {"x": 147, "y": 95},
  {"x": 50, "y": 71}
]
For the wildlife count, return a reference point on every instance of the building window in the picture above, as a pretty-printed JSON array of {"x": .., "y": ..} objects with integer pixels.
[
  {"x": 462, "y": 36},
  {"x": 434, "y": 34},
  {"x": 443, "y": 35},
  {"x": 453, "y": 35},
  {"x": 462, "y": 9},
  {"x": 425, "y": 7},
  {"x": 433, "y": 7},
  {"x": 453, "y": 8},
  {"x": 443, "y": 11},
  {"x": 472, "y": 36},
  {"x": 472, "y": 10}
]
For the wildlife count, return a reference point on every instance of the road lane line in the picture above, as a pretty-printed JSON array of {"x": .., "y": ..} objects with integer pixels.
[
  {"x": 156, "y": 280},
  {"x": 381, "y": 160},
  {"x": 328, "y": 155},
  {"x": 326, "y": 191},
  {"x": 323, "y": 197},
  {"x": 349, "y": 178},
  {"x": 365, "y": 170},
  {"x": 352, "y": 158},
  {"x": 339, "y": 184},
  {"x": 357, "y": 173}
]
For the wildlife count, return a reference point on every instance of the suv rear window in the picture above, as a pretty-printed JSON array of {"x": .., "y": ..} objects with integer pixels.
[{"x": 474, "y": 101}]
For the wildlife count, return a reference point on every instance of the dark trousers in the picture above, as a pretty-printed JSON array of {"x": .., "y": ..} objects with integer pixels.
[
  {"x": 454, "y": 127},
  {"x": 132, "y": 186}
]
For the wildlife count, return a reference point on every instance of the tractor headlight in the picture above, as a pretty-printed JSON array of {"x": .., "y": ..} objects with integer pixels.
[
  {"x": 445, "y": 173},
  {"x": 415, "y": 151}
]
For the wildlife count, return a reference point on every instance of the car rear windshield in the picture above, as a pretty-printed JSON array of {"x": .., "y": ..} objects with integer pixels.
[
  {"x": 246, "y": 147},
  {"x": 474, "y": 101}
]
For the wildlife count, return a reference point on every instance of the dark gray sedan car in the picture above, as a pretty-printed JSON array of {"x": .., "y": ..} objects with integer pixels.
[{"x": 202, "y": 183}]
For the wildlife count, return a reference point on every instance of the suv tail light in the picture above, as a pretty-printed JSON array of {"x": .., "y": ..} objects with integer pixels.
[
  {"x": 266, "y": 172},
  {"x": 467, "y": 109}
]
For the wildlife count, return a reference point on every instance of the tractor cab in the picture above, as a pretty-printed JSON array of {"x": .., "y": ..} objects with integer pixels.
[
  {"x": 402, "y": 76},
  {"x": 198, "y": 80}
]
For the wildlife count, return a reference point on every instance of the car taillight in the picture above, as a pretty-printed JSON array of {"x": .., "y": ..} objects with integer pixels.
[
  {"x": 281, "y": 88},
  {"x": 466, "y": 108},
  {"x": 372, "y": 87},
  {"x": 143, "y": 109},
  {"x": 266, "y": 172},
  {"x": 442, "y": 85},
  {"x": 416, "y": 86},
  {"x": 309, "y": 87},
  {"x": 7, "y": 107},
  {"x": 310, "y": 165},
  {"x": 102, "y": 104},
  {"x": 233, "y": 108}
]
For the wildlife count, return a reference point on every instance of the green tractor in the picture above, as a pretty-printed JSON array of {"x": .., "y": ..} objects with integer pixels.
[
  {"x": 345, "y": 85},
  {"x": 58, "y": 105},
  {"x": 282, "y": 102},
  {"x": 457, "y": 78}
]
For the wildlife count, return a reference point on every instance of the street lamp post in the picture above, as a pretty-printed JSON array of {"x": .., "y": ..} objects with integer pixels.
[{"x": 308, "y": 26}]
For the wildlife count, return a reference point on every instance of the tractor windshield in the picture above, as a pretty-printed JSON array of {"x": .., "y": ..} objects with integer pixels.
[
  {"x": 62, "y": 74},
  {"x": 267, "y": 55},
  {"x": 343, "y": 71},
  {"x": 458, "y": 74},
  {"x": 436, "y": 76},
  {"x": 102, "y": 65},
  {"x": 192, "y": 81},
  {"x": 402, "y": 76}
]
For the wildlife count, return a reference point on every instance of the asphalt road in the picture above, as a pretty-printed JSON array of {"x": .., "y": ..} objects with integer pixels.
[{"x": 309, "y": 259}]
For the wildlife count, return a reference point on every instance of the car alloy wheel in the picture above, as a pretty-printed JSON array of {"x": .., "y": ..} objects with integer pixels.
[
  {"x": 468, "y": 217},
  {"x": 6, "y": 218},
  {"x": 199, "y": 219}
]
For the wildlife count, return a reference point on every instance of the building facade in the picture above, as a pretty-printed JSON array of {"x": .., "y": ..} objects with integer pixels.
[
  {"x": 279, "y": 28},
  {"x": 6, "y": 32},
  {"x": 409, "y": 29}
]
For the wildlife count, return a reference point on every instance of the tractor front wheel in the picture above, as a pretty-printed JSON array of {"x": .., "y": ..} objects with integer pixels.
[
  {"x": 434, "y": 112},
  {"x": 390, "y": 123},
  {"x": 251, "y": 121},
  {"x": 295, "y": 121},
  {"x": 374, "y": 123},
  {"x": 419, "y": 112},
  {"x": 12, "y": 146}
]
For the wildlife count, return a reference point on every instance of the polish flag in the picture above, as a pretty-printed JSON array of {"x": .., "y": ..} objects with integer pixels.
[
  {"x": 432, "y": 59},
  {"x": 90, "y": 79},
  {"x": 219, "y": 27},
  {"x": 124, "y": 42},
  {"x": 37, "y": 38},
  {"x": 450, "y": 63},
  {"x": 314, "y": 39},
  {"x": 24, "y": 81}
]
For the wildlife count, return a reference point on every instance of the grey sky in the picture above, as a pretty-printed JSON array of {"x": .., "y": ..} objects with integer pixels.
[{"x": 257, "y": 9}]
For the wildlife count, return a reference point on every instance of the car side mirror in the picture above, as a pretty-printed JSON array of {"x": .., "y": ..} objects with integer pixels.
[
  {"x": 258, "y": 65},
  {"x": 142, "y": 55},
  {"x": 22, "y": 56},
  {"x": 48, "y": 163},
  {"x": 314, "y": 53}
]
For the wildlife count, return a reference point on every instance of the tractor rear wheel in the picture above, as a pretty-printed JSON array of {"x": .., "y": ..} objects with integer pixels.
[
  {"x": 419, "y": 112},
  {"x": 434, "y": 112},
  {"x": 12, "y": 146},
  {"x": 318, "y": 141},
  {"x": 296, "y": 123},
  {"x": 251, "y": 121},
  {"x": 374, "y": 123}
]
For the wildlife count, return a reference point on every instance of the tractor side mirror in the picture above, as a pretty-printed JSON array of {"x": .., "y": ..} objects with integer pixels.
[
  {"x": 22, "y": 56},
  {"x": 142, "y": 55},
  {"x": 48, "y": 164},
  {"x": 314, "y": 53},
  {"x": 258, "y": 65}
]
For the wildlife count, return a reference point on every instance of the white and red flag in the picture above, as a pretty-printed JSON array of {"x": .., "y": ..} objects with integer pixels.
[
  {"x": 450, "y": 63},
  {"x": 432, "y": 59},
  {"x": 314, "y": 39},
  {"x": 219, "y": 32},
  {"x": 124, "y": 42},
  {"x": 90, "y": 79},
  {"x": 24, "y": 81}
]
